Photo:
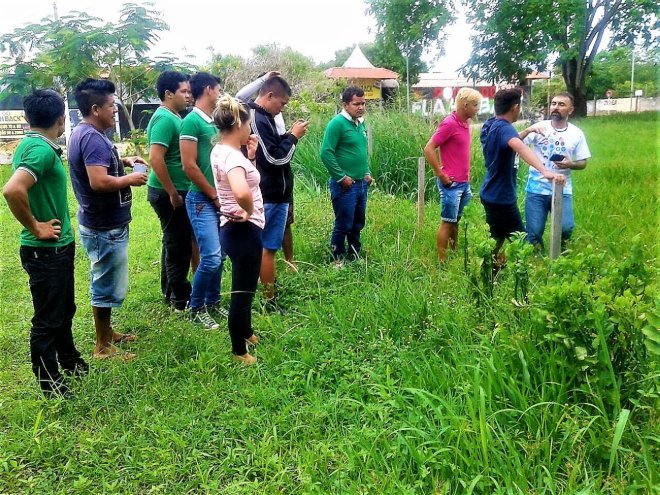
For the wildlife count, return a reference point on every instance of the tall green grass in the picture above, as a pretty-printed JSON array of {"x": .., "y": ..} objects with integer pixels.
[
  {"x": 399, "y": 139},
  {"x": 388, "y": 376}
]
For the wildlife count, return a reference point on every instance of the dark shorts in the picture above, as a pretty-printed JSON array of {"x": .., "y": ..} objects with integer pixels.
[
  {"x": 289, "y": 214},
  {"x": 503, "y": 220}
]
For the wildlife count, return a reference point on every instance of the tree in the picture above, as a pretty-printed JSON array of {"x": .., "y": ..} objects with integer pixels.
[
  {"x": 611, "y": 70},
  {"x": 61, "y": 52},
  {"x": 51, "y": 53},
  {"x": 514, "y": 37},
  {"x": 408, "y": 28},
  {"x": 126, "y": 60},
  {"x": 235, "y": 71}
]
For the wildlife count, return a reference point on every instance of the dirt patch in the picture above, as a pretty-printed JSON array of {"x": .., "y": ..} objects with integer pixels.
[{"x": 7, "y": 149}]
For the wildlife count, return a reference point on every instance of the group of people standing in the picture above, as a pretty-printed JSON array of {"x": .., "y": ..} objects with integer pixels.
[
  {"x": 557, "y": 148},
  {"x": 220, "y": 183}
]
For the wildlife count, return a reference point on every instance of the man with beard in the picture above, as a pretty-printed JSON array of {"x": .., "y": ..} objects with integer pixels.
[{"x": 561, "y": 147}]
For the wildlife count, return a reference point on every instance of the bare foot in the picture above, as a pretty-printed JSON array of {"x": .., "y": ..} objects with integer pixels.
[
  {"x": 120, "y": 338},
  {"x": 253, "y": 340},
  {"x": 246, "y": 359},
  {"x": 111, "y": 352}
]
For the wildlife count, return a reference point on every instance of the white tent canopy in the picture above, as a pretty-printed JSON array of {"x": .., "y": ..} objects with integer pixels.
[{"x": 357, "y": 60}]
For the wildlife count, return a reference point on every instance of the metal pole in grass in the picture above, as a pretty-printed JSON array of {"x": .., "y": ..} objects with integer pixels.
[
  {"x": 555, "y": 222},
  {"x": 421, "y": 183}
]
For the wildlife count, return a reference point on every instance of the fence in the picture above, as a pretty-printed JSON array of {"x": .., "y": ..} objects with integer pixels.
[{"x": 621, "y": 105}]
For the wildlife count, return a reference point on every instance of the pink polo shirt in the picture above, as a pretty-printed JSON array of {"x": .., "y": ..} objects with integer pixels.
[{"x": 453, "y": 138}]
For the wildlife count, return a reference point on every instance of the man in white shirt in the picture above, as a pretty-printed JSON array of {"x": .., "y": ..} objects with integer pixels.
[{"x": 562, "y": 148}]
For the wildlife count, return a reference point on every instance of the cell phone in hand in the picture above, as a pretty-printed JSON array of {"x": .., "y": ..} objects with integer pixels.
[{"x": 556, "y": 157}]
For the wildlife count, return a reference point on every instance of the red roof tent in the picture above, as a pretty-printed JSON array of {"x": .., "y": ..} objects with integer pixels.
[{"x": 360, "y": 73}]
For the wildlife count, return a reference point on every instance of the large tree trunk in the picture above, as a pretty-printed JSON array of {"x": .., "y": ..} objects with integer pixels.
[{"x": 575, "y": 86}]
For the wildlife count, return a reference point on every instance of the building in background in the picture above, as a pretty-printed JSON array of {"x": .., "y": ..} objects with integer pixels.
[
  {"x": 435, "y": 93},
  {"x": 378, "y": 83}
]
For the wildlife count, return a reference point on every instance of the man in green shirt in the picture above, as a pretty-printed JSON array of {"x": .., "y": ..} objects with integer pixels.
[
  {"x": 37, "y": 196},
  {"x": 168, "y": 187},
  {"x": 197, "y": 138},
  {"x": 344, "y": 153}
]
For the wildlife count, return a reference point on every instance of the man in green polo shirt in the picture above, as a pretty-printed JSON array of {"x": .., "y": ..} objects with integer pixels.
[
  {"x": 344, "y": 153},
  {"x": 197, "y": 138},
  {"x": 37, "y": 196},
  {"x": 168, "y": 187}
]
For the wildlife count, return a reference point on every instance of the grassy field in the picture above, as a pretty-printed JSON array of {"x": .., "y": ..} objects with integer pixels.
[{"x": 389, "y": 376}]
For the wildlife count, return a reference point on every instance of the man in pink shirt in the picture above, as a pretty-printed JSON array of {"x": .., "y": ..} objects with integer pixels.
[{"x": 452, "y": 168}]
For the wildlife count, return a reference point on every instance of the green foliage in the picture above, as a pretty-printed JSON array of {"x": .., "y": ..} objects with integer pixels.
[
  {"x": 137, "y": 142},
  {"x": 479, "y": 262},
  {"x": 394, "y": 159},
  {"x": 408, "y": 28},
  {"x": 570, "y": 30},
  {"x": 519, "y": 253},
  {"x": 542, "y": 90},
  {"x": 596, "y": 311},
  {"x": 612, "y": 70},
  {"x": 299, "y": 70},
  {"x": 387, "y": 376},
  {"x": 61, "y": 53},
  {"x": 53, "y": 53}
]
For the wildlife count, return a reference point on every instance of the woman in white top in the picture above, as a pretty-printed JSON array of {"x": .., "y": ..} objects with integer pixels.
[{"x": 242, "y": 217}]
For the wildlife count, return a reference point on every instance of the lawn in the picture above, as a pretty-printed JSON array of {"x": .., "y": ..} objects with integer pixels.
[{"x": 389, "y": 376}]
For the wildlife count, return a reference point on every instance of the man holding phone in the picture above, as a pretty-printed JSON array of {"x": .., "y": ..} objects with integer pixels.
[
  {"x": 562, "y": 148},
  {"x": 273, "y": 160}
]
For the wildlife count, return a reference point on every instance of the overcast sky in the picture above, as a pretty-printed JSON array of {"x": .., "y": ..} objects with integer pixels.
[{"x": 316, "y": 28}]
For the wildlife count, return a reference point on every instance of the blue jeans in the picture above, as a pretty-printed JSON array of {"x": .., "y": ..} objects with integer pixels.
[
  {"x": 453, "y": 199},
  {"x": 537, "y": 207},
  {"x": 108, "y": 255},
  {"x": 273, "y": 233},
  {"x": 350, "y": 207},
  {"x": 205, "y": 224}
]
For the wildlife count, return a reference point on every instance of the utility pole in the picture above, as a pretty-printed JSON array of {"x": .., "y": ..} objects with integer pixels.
[
  {"x": 407, "y": 83},
  {"x": 55, "y": 10},
  {"x": 632, "y": 78}
]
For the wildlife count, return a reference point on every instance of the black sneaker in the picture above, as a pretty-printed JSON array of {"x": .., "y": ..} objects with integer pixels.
[
  {"x": 217, "y": 311},
  {"x": 80, "y": 368},
  {"x": 202, "y": 318}
]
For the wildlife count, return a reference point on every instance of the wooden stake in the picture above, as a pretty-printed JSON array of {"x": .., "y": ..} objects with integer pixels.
[
  {"x": 370, "y": 139},
  {"x": 421, "y": 184},
  {"x": 555, "y": 221}
]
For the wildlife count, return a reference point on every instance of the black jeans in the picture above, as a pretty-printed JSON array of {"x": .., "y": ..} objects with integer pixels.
[
  {"x": 50, "y": 272},
  {"x": 177, "y": 247},
  {"x": 242, "y": 243}
]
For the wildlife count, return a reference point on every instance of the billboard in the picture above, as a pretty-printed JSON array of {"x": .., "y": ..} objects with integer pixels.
[
  {"x": 371, "y": 92},
  {"x": 12, "y": 124}
]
